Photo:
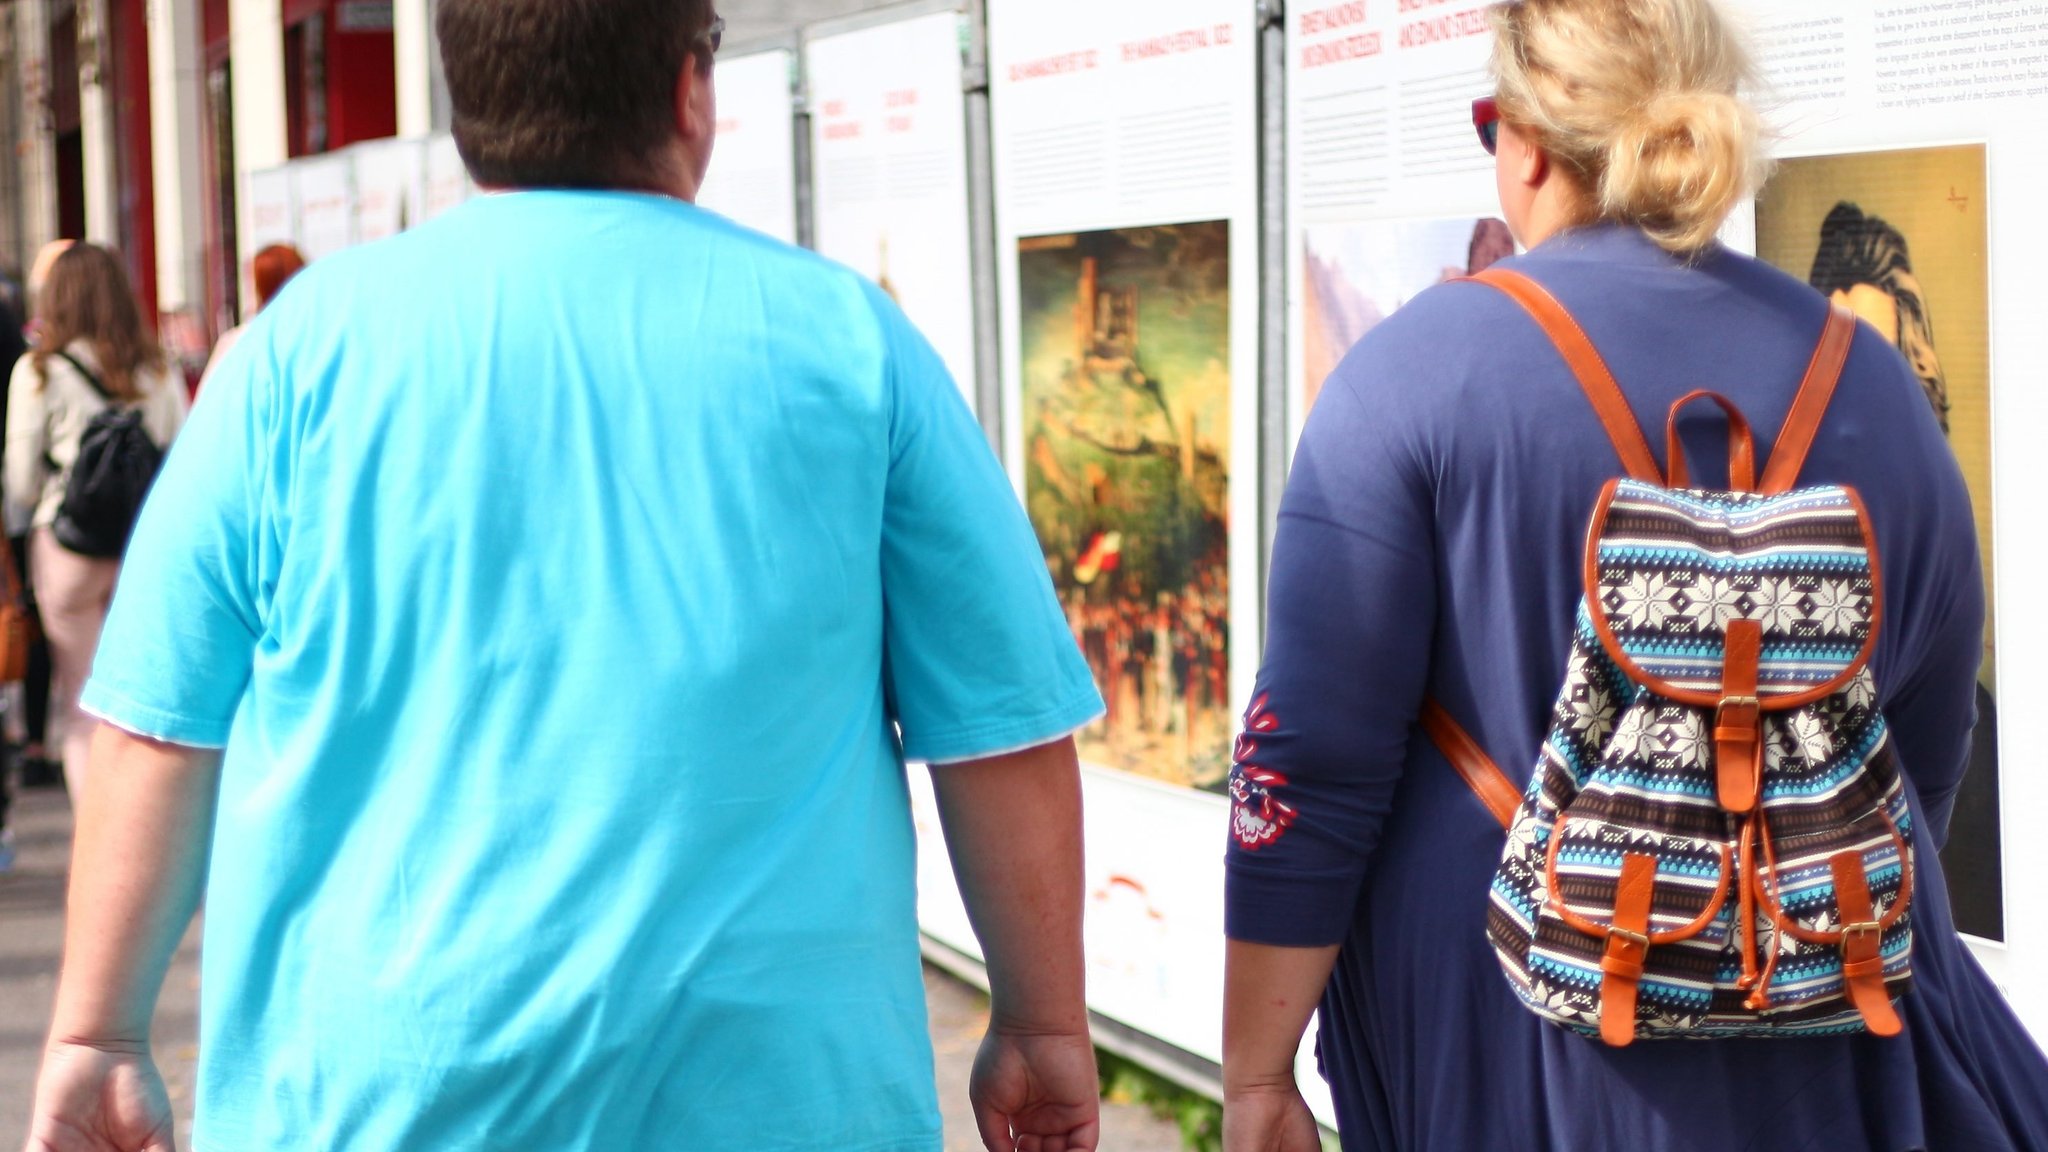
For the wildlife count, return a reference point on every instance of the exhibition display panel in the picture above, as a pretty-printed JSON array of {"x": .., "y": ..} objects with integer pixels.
[
  {"x": 753, "y": 177},
  {"x": 889, "y": 167},
  {"x": 390, "y": 188}
]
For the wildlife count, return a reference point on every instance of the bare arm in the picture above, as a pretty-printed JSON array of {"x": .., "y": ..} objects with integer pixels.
[
  {"x": 138, "y": 866},
  {"x": 1013, "y": 828},
  {"x": 1269, "y": 995}
]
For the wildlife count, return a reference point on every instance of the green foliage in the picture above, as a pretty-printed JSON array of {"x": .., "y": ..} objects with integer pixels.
[{"x": 1199, "y": 1118}]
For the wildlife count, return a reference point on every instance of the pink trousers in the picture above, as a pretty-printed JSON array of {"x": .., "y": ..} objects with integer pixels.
[{"x": 72, "y": 593}]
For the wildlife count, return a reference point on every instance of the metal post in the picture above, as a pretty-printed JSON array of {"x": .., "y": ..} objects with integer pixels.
[
  {"x": 800, "y": 103},
  {"x": 981, "y": 214},
  {"x": 1273, "y": 254}
]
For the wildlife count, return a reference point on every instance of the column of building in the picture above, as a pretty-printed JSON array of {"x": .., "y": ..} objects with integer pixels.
[
  {"x": 176, "y": 86},
  {"x": 412, "y": 33},
  {"x": 35, "y": 131},
  {"x": 262, "y": 139},
  {"x": 96, "y": 123}
]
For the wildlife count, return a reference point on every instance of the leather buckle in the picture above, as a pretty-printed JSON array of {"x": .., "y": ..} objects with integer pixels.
[
  {"x": 1855, "y": 933},
  {"x": 1750, "y": 719},
  {"x": 1626, "y": 954}
]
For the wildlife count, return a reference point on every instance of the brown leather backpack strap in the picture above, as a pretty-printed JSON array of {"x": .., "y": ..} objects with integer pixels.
[
  {"x": 1741, "y": 444},
  {"x": 1788, "y": 456},
  {"x": 1586, "y": 364},
  {"x": 1628, "y": 948},
  {"x": 1862, "y": 937},
  {"x": 1480, "y": 773}
]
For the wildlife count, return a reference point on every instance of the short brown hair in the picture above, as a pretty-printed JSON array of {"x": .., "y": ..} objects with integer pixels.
[{"x": 568, "y": 93}]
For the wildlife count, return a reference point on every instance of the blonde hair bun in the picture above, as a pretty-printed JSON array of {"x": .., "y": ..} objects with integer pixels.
[
  {"x": 1642, "y": 100},
  {"x": 1679, "y": 165}
]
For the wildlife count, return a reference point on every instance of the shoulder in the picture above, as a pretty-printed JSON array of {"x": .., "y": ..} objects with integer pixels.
[
  {"x": 1437, "y": 356},
  {"x": 161, "y": 383},
  {"x": 24, "y": 374}
]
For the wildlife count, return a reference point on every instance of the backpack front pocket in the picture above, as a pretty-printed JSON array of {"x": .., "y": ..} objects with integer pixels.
[{"x": 1634, "y": 925}]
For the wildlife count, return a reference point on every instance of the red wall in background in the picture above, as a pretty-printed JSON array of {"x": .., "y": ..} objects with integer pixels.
[
  {"x": 362, "y": 85},
  {"x": 128, "y": 58},
  {"x": 213, "y": 31},
  {"x": 349, "y": 68}
]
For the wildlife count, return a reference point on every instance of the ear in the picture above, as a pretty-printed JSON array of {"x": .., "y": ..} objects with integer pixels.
[
  {"x": 1533, "y": 167},
  {"x": 695, "y": 111}
]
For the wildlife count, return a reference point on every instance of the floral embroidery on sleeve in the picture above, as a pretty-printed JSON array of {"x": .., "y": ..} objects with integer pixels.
[{"x": 1257, "y": 818}]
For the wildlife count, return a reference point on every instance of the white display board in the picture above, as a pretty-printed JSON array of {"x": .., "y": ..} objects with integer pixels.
[
  {"x": 889, "y": 170},
  {"x": 1127, "y": 233},
  {"x": 323, "y": 190},
  {"x": 390, "y": 187},
  {"x": 446, "y": 181},
  {"x": 1906, "y": 128},
  {"x": 273, "y": 214},
  {"x": 1389, "y": 191},
  {"x": 753, "y": 164}
]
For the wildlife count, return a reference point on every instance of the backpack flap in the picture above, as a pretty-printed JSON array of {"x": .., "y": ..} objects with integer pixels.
[{"x": 1668, "y": 573}]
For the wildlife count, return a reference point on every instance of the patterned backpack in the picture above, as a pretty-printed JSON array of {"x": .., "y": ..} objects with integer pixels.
[{"x": 1715, "y": 841}]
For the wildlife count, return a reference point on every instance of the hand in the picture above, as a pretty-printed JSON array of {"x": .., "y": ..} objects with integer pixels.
[
  {"x": 94, "y": 1099},
  {"x": 1269, "y": 1119},
  {"x": 1036, "y": 1092}
]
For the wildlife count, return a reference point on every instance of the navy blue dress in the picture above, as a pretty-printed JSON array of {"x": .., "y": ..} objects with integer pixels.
[{"x": 1429, "y": 544}]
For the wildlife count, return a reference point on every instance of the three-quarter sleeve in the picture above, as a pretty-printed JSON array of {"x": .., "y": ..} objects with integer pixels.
[
  {"x": 27, "y": 437},
  {"x": 1350, "y": 622}
]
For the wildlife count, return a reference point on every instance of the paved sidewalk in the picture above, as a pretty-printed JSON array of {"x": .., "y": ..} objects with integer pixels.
[{"x": 31, "y": 940}]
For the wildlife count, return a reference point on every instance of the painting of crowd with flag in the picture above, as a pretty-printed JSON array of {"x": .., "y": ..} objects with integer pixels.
[{"x": 1126, "y": 387}]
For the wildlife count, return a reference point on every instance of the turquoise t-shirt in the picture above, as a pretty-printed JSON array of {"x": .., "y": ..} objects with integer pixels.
[{"x": 568, "y": 581}]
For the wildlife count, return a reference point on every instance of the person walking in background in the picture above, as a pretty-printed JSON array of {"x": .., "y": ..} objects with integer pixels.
[
  {"x": 271, "y": 269},
  {"x": 91, "y": 353},
  {"x": 37, "y": 769},
  {"x": 1430, "y": 547},
  {"x": 533, "y": 624}
]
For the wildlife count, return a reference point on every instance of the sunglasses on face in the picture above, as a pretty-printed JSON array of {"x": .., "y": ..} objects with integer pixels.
[
  {"x": 714, "y": 35},
  {"x": 1486, "y": 119}
]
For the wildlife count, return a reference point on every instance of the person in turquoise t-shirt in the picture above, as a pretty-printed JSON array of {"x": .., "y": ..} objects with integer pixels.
[{"x": 522, "y": 649}]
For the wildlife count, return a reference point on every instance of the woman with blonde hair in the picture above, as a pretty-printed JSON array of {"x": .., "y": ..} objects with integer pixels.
[
  {"x": 1430, "y": 556},
  {"x": 91, "y": 353}
]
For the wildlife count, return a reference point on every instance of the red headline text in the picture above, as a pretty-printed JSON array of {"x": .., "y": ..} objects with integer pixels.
[
  {"x": 1359, "y": 47},
  {"x": 1439, "y": 29},
  {"x": 1176, "y": 43},
  {"x": 1321, "y": 20},
  {"x": 1061, "y": 65}
]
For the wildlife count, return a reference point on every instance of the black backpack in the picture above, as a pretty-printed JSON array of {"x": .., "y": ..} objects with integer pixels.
[{"x": 117, "y": 462}]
